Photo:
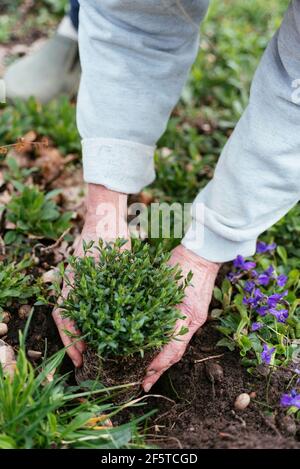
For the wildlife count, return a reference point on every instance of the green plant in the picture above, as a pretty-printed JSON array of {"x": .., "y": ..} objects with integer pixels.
[
  {"x": 125, "y": 301},
  {"x": 15, "y": 172},
  {"x": 260, "y": 312},
  {"x": 55, "y": 120},
  {"x": 15, "y": 285},
  {"x": 39, "y": 410},
  {"x": 34, "y": 213}
]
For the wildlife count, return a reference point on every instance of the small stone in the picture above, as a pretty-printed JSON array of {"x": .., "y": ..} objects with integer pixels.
[
  {"x": 5, "y": 317},
  {"x": 7, "y": 358},
  {"x": 24, "y": 311},
  {"x": 34, "y": 354},
  {"x": 3, "y": 329},
  {"x": 242, "y": 401},
  {"x": 214, "y": 372},
  {"x": 51, "y": 276},
  {"x": 253, "y": 395},
  {"x": 288, "y": 425}
]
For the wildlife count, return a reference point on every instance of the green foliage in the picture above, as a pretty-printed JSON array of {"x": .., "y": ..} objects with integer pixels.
[
  {"x": 34, "y": 213},
  {"x": 15, "y": 285},
  {"x": 238, "y": 317},
  {"x": 55, "y": 120},
  {"x": 125, "y": 302},
  {"x": 37, "y": 412},
  {"x": 287, "y": 233}
]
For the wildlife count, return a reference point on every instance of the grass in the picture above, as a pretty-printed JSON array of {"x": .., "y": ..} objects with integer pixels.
[{"x": 38, "y": 409}]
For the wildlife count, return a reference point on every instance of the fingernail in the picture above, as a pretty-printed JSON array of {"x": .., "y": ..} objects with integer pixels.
[
  {"x": 150, "y": 373},
  {"x": 147, "y": 387}
]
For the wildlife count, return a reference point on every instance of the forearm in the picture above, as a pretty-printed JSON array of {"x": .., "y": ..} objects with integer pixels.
[
  {"x": 257, "y": 178},
  {"x": 135, "y": 58}
]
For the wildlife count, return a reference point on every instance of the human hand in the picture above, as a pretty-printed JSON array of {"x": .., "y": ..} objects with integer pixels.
[
  {"x": 194, "y": 307},
  {"x": 106, "y": 218}
]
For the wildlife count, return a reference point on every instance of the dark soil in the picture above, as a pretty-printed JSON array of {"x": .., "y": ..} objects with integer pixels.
[
  {"x": 202, "y": 413},
  {"x": 115, "y": 372}
]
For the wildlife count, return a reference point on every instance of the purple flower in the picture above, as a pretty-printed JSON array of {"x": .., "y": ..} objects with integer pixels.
[
  {"x": 249, "y": 286},
  {"x": 270, "y": 270},
  {"x": 281, "y": 315},
  {"x": 292, "y": 399},
  {"x": 253, "y": 300},
  {"x": 274, "y": 299},
  {"x": 281, "y": 280},
  {"x": 262, "y": 310},
  {"x": 256, "y": 326},
  {"x": 240, "y": 263},
  {"x": 266, "y": 354},
  {"x": 262, "y": 247},
  {"x": 264, "y": 279}
]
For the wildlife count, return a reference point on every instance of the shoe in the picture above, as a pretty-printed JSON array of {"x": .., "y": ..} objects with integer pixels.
[{"x": 51, "y": 71}]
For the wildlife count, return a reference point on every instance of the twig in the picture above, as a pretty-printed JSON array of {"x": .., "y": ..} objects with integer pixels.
[
  {"x": 47, "y": 249},
  {"x": 208, "y": 358}
]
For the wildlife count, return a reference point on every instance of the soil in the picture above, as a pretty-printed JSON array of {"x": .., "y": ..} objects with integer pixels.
[
  {"x": 195, "y": 403},
  {"x": 202, "y": 413},
  {"x": 115, "y": 372}
]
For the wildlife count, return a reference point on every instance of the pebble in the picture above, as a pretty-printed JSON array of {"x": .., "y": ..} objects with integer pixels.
[
  {"x": 34, "y": 354},
  {"x": 242, "y": 401},
  {"x": 24, "y": 311},
  {"x": 3, "y": 329},
  {"x": 214, "y": 372},
  {"x": 51, "y": 276},
  {"x": 288, "y": 425},
  {"x": 7, "y": 358},
  {"x": 6, "y": 317}
]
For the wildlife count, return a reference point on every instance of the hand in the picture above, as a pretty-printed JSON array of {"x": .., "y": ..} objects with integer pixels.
[
  {"x": 194, "y": 307},
  {"x": 106, "y": 218}
]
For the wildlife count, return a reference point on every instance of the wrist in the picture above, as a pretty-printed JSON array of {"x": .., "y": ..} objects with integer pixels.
[
  {"x": 195, "y": 261},
  {"x": 98, "y": 195}
]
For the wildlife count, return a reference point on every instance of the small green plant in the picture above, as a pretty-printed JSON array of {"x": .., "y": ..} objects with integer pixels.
[
  {"x": 125, "y": 301},
  {"x": 38, "y": 410},
  {"x": 55, "y": 120},
  {"x": 15, "y": 284},
  {"x": 34, "y": 213},
  {"x": 15, "y": 172}
]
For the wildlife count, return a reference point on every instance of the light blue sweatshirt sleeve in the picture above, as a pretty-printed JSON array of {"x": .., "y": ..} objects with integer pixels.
[
  {"x": 135, "y": 57},
  {"x": 257, "y": 179}
]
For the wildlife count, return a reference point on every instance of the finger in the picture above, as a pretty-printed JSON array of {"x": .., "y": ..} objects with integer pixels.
[
  {"x": 169, "y": 355},
  {"x": 72, "y": 351}
]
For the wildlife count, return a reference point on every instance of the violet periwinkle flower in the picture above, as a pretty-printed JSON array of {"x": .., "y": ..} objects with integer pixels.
[
  {"x": 249, "y": 286},
  {"x": 262, "y": 310},
  {"x": 262, "y": 247},
  {"x": 281, "y": 315},
  {"x": 264, "y": 279},
  {"x": 253, "y": 300},
  {"x": 281, "y": 280},
  {"x": 274, "y": 299},
  {"x": 291, "y": 400},
  {"x": 266, "y": 354},
  {"x": 242, "y": 264},
  {"x": 256, "y": 326}
]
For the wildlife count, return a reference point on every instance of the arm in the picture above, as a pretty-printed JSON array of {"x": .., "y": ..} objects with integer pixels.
[
  {"x": 256, "y": 180},
  {"x": 135, "y": 57}
]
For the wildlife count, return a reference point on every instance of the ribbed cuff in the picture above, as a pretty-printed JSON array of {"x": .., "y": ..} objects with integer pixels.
[
  {"x": 119, "y": 165},
  {"x": 212, "y": 247}
]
